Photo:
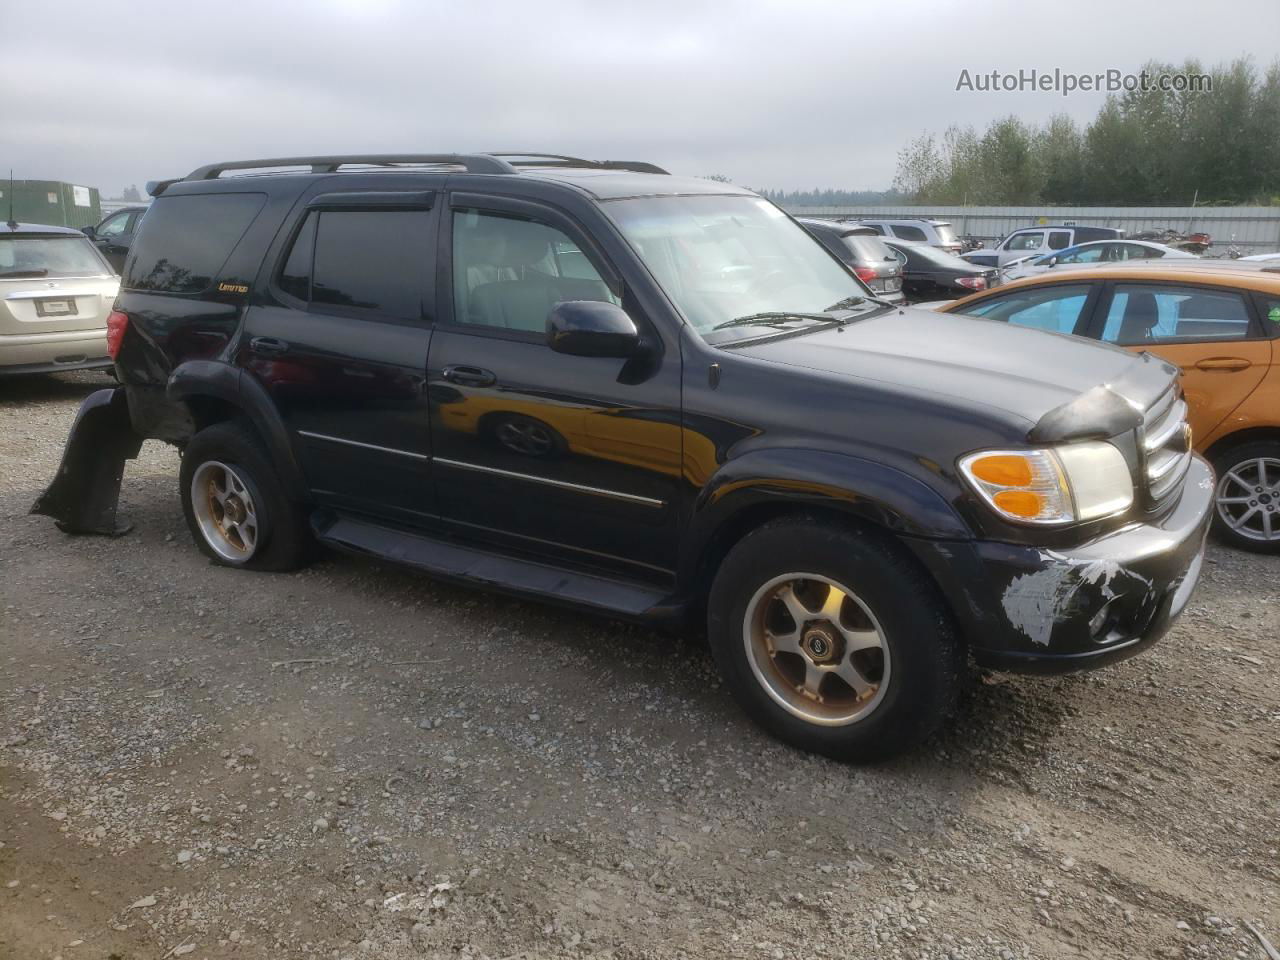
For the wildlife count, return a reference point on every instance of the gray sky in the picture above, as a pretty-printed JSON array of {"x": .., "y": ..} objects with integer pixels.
[{"x": 772, "y": 94}]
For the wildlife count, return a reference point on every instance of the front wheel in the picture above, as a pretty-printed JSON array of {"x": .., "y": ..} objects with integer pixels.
[
  {"x": 1247, "y": 498},
  {"x": 832, "y": 639},
  {"x": 236, "y": 506}
]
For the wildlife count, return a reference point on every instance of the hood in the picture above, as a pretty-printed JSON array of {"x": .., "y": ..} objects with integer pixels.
[{"x": 1028, "y": 373}]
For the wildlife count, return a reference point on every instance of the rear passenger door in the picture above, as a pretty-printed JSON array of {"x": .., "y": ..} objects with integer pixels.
[
  {"x": 1211, "y": 334},
  {"x": 576, "y": 458},
  {"x": 339, "y": 340}
]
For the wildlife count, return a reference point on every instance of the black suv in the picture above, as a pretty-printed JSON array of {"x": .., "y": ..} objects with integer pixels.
[{"x": 654, "y": 397}]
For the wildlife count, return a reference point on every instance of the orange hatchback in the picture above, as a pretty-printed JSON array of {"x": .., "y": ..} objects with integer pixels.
[{"x": 1219, "y": 323}]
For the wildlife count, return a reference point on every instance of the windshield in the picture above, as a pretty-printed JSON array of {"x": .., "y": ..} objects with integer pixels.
[
  {"x": 55, "y": 256},
  {"x": 946, "y": 234},
  {"x": 725, "y": 258}
]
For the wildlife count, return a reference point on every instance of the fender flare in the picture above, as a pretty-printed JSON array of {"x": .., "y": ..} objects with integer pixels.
[
  {"x": 210, "y": 378},
  {"x": 864, "y": 489}
]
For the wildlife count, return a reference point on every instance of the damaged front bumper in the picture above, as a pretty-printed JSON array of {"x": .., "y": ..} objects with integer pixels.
[
  {"x": 86, "y": 489},
  {"x": 1054, "y": 611}
]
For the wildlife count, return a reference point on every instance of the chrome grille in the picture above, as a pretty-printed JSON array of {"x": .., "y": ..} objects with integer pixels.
[{"x": 1166, "y": 453}]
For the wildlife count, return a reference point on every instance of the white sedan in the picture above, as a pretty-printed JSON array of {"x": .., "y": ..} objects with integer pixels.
[
  {"x": 56, "y": 291},
  {"x": 1093, "y": 253}
]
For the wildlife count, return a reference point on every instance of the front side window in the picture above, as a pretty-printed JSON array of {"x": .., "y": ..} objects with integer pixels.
[
  {"x": 909, "y": 233},
  {"x": 114, "y": 226},
  {"x": 53, "y": 256},
  {"x": 1055, "y": 308},
  {"x": 1025, "y": 241},
  {"x": 1151, "y": 313},
  {"x": 726, "y": 260},
  {"x": 360, "y": 260},
  {"x": 509, "y": 272},
  {"x": 185, "y": 240}
]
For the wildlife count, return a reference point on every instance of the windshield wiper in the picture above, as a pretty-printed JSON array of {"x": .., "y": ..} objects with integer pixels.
[
  {"x": 847, "y": 302},
  {"x": 772, "y": 318},
  {"x": 16, "y": 274}
]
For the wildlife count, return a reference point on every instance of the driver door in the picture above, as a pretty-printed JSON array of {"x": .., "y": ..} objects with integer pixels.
[{"x": 573, "y": 458}]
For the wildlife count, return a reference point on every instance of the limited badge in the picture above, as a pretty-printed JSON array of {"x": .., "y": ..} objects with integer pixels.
[{"x": 232, "y": 288}]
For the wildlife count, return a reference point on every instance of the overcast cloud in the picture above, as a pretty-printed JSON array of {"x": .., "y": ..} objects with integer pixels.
[{"x": 771, "y": 94}]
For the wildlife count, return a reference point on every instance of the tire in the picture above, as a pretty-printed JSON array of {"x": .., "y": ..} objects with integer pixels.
[
  {"x": 1238, "y": 475},
  {"x": 270, "y": 526},
  {"x": 920, "y": 660}
]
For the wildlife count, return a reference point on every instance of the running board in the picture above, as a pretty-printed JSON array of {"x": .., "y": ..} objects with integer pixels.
[{"x": 450, "y": 560}]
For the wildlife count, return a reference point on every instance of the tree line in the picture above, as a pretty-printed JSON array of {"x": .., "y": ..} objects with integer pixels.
[{"x": 1143, "y": 147}]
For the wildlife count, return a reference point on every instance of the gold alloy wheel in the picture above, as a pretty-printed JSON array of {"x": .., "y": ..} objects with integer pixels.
[
  {"x": 816, "y": 649},
  {"x": 224, "y": 511}
]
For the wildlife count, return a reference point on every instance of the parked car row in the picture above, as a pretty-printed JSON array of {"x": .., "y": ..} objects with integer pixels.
[{"x": 657, "y": 398}]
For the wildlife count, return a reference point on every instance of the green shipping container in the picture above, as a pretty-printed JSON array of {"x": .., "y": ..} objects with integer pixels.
[{"x": 52, "y": 202}]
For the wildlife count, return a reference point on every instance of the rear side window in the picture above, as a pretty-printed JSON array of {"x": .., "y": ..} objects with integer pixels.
[
  {"x": 1155, "y": 314},
  {"x": 908, "y": 233},
  {"x": 186, "y": 240},
  {"x": 1059, "y": 240},
  {"x": 1270, "y": 308},
  {"x": 360, "y": 260}
]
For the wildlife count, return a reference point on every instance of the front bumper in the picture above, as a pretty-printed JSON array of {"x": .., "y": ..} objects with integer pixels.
[{"x": 1055, "y": 611}]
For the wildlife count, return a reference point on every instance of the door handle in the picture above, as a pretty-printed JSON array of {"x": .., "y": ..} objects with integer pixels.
[
  {"x": 468, "y": 376},
  {"x": 1223, "y": 363},
  {"x": 268, "y": 345}
]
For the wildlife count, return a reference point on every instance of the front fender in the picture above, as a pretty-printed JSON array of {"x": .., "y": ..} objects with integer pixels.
[{"x": 862, "y": 488}]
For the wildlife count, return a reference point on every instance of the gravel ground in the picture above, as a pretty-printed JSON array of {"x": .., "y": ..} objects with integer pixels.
[{"x": 355, "y": 761}]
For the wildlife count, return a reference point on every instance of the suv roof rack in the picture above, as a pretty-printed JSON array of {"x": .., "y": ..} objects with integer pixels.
[
  {"x": 560, "y": 160},
  {"x": 471, "y": 162},
  {"x": 491, "y": 163}
]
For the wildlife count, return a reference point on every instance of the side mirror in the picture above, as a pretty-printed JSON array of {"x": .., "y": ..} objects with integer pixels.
[
  {"x": 592, "y": 328},
  {"x": 1053, "y": 262},
  {"x": 90, "y": 232}
]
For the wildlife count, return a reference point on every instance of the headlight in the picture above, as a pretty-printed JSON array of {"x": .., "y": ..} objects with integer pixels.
[{"x": 1059, "y": 485}]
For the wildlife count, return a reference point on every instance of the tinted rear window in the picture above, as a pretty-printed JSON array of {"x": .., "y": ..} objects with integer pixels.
[
  {"x": 866, "y": 247},
  {"x": 908, "y": 233},
  {"x": 184, "y": 241},
  {"x": 361, "y": 259}
]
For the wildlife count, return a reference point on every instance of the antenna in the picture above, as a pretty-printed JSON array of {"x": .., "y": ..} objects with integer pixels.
[{"x": 12, "y": 224}]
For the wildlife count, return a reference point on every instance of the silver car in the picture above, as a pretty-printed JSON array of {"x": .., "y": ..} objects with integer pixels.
[{"x": 56, "y": 292}]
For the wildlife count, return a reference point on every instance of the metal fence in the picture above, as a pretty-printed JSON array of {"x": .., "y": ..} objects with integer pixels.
[{"x": 1253, "y": 229}]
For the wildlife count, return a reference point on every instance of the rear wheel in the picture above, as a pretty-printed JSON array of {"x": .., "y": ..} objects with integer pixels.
[
  {"x": 236, "y": 507},
  {"x": 1247, "y": 497},
  {"x": 832, "y": 639}
]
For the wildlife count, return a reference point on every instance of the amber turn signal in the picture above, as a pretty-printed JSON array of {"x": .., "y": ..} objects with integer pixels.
[{"x": 1003, "y": 469}]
